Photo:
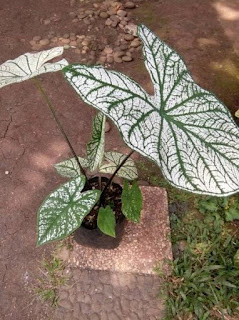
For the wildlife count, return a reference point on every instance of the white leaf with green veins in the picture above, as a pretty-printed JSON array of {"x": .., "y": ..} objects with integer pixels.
[
  {"x": 183, "y": 128},
  {"x": 69, "y": 168},
  {"x": 30, "y": 65},
  {"x": 95, "y": 147},
  {"x": 114, "y": 159},
  {"x": 64, "y": 209}
]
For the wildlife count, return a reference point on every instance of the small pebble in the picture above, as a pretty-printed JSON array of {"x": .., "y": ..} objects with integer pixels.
[
  {"x": 102, "y": 59},
  {"x": 135, "y": 43},
  {"x": 129, "y": 5},
  {"x": 104, "y": 15},
  {"x": 117, "y": 59},
  {"x": 75, "y": 20},
  {"x": 72, "y": 14},
  {"x": 107, "y": 126},
  {"x": 121, "y": 13},
  {"x": 124, "y": 47},
  {"x": 66, "y": 41},
  {"x": 73, "y": 43},
  {"x": 47, "y": 21},
  {"x": 127, "y": 58},
  {"x": 108, "y": 22},
  {"x": 36, "y": 38},
  {"x": 110, "y": 59},
  {"x": 66, "y": 35},
  {"x": 129, "y": 37},
  {"x": 108, "y": 50},
  {"x": 44, "y": 42}
]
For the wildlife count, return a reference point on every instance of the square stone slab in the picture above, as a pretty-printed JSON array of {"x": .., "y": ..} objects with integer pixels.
[{"x": 141, "y": 247}]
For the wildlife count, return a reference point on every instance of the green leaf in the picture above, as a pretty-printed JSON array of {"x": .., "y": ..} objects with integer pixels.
[
  {"x": 95, "y": 147},
  {"x": 106, "y": 221},
  {"x": 183, "y": 128},
  {"x": 69, "y": 168},
  {"x": 114, "y": 159},
  {"x": 232, "y": 214},
  {"x": 63, "y": 210},
  {"x": 30, "y": 65},
  {"x": 132, "y": 201}
]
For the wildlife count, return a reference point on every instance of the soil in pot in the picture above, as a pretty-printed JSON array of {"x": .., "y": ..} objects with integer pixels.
[{"x": 88, "y": 234}]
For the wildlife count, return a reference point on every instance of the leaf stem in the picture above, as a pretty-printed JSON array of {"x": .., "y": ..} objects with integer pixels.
[
  {"x": 113, "y": 175},
  {"x": 48, "y": 102}
]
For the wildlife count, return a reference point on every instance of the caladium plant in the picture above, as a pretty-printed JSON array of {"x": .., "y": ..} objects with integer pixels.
[
  {"x": 183, "y": 128},
  {"x": 64, "y": 209}
]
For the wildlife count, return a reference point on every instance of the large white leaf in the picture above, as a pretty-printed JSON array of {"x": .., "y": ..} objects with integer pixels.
[
  {"x": 95, "y": 147},
  {"x": 185, "y": 129},
  {"x": 30, "y": 65},
  {"x": 64, "y": 210},
  {"x": 69, "y": 168},
  {"x": 114, "y": 159}
]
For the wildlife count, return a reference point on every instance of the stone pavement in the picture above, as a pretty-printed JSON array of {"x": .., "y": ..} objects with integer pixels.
[{"x": 113, "y": 280}]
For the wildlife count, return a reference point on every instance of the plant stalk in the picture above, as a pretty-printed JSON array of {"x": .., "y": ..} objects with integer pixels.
[
  {"x": 48, "y": 102},
  {"x": 113, "y": 175}
]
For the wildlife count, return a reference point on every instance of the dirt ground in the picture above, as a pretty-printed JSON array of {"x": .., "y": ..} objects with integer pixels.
[{"x": 204, "y": 32}]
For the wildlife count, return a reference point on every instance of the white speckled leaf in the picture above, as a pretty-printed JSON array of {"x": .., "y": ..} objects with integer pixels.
[
  {"x": 63, "y": 210},
  {"x": 30, "y": 65},
  {"x": 183, "y": 128},
  {"x": 69, "y": 168},
  {"x": 95, "y": 147},
  {"x": 114, "y": 159}
]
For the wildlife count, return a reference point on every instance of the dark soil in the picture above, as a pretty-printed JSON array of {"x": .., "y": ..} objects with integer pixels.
[{"x": 112, "y": 197}]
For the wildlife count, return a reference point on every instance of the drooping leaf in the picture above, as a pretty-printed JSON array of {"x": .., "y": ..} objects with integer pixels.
[
  {"x": 114, "y": 159},
  {"x": 30, "y": 65},
  {"x": 132, "y": 201},
  {"x": 69, "y": 168},
  {"x": 185, "y": 129},
  {"x": 63, "y": 210},
  {"x": 95, "y": 147},
  {"x": 106, "y": 221}
]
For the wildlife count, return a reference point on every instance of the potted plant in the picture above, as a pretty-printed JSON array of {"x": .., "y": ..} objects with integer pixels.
[{"x": 183, "y": 128}]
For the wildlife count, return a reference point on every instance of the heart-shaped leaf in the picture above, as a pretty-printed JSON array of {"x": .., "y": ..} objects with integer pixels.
[
  {"x": 106, "y": 221},
  {"x": 132, "y": 201},
  {"x": 64, "y": 209},
  {"x": 114, "y": 159},
  {"x": 185, "y": 129},
  {"x": 69, "y": 168},
  {"x": 30, "y": 65},
  {"x": 95, "y": 147}
]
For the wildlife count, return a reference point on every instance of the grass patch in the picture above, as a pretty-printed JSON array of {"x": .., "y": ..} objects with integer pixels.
[
  {"x": 52, "y": 277},
  {"x": 204, "y": 280}
]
